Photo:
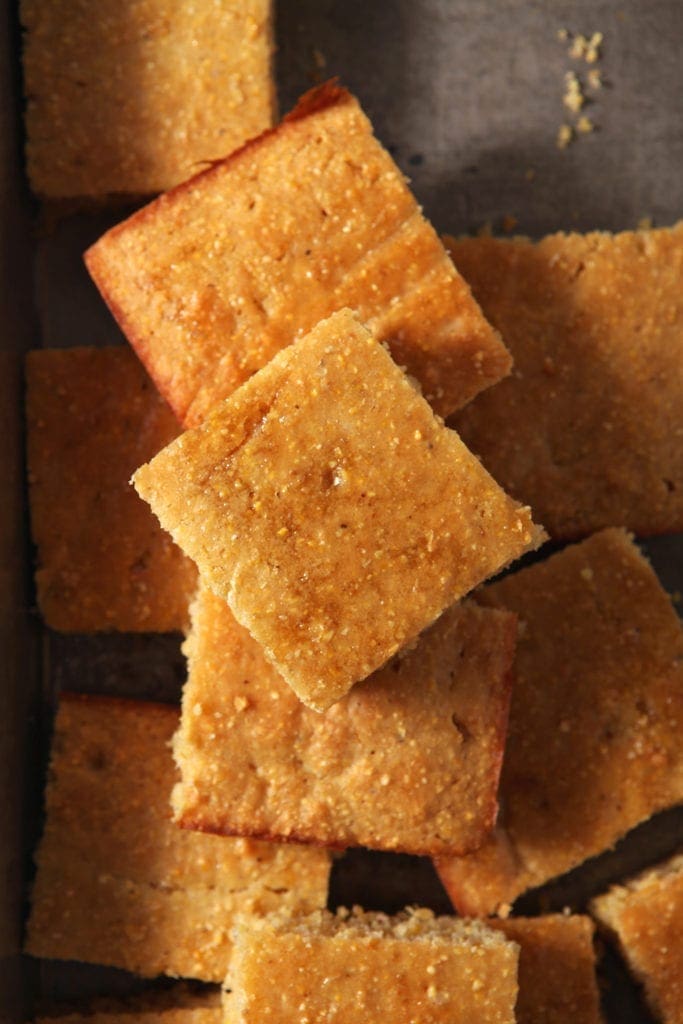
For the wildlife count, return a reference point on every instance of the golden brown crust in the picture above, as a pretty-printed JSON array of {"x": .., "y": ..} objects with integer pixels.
[
  {"x": 645, "y": 916},
  {"x": 132, "y": 100},
  {"x": 588, "y": 429},
  {"x": 332, "y": 510},
  {"x": 408, "y": 761},
  {"x": 369, "y": 967},
  {"x": 212, "y": 279},
  {"x": 594, "y": 741},
  {"x": 557, "y": 983},
  {"x": 117, "y": 882},
  {"x": 103, "y": 562}
]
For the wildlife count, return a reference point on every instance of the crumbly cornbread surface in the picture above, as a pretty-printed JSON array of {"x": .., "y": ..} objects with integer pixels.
[
  {"x": 409, "y": 760},
  {"x": 133, "y": 97},
  {"x": 557, "y": 982},
  {"x": 588, "y": 430},
  {"x": 332, "y": 509},
  {"x": 368, "y": 967},
  {"x": 117, "y": 882},
  {"x": 646, "y": 917},
  {"x": 210, "y": 281},
  {"x": 597, "y": 707},
  {"x": 103, "y": 562}
]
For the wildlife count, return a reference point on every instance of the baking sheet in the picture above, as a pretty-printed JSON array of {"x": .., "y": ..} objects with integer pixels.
[{"x": 467, "y": 95}]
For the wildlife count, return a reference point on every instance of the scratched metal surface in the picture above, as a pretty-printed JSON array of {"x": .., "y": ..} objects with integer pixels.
[{"x": 467, "y": 95}]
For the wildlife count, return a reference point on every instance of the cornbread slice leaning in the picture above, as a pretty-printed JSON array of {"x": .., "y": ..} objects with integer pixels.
[
  {"x": 186, "y": 1015},
  {"x": 409, "y": 760},
  {"x": 557, "y": 982},
  {"x": 211, "y": 280},
  {"x": 103, "y": 562},
  {"x": 119, "y": 884},
  {"x": 589, "y": 429},
  {"x": 645, "y": 916},
  {"x": 370, "y": 967},
  {"x": 133, "y": 97},
  {"x": 173, "y": 1006},
  {"x": 332, "y": 510},
  {"x": 595, "y": 722}
]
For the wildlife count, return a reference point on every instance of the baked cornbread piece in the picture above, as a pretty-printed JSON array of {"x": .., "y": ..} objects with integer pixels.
[
  {"x": 117, "y": 882},
  {"x": 209, "y": 282},
  {"x": 370, "y": 967},
  {"x": 557, "y": 983},
  {"x": 597, "y": 706},
  {"x": 409, "y": 760},
  {"x": 645, "y": 916},
  {"x": 589, "y": 428},
  {"x": 332, "y": 509},
  {"x": 132, "y": 98},
  {"x": 103, "y": 563}
]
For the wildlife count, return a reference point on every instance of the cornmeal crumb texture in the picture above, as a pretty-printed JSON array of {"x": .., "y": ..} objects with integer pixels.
[
  {"x": 333, "y": 510},
  {"x": 646, "y": 917},
  {"x": 589, "y": 428},
  {"x": 597, "y": 708},
  {"x": 132, "y": 97},
  {"x": 210, "y": 281},
  {"x": 103, "y": 562},
  {"x": 557, "y": 982},
  {"x": 117, "y": 882},
  {"x": 368, "y": 967},
  {"x": 409, "y": 760}
]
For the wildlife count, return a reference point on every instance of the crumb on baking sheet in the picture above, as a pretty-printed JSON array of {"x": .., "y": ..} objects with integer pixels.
[
  {"x": 594, "y": 78},
  {"x": 586, "y": 47},
  {"x": 584, "y": 126},
  {"x": 565, "y": 135},
  {"x": 573, "y": 98},
  {"x": 645, "y": 224}
]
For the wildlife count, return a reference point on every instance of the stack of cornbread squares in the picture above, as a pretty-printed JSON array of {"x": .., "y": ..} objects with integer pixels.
[{"x": 299, "y": 333}]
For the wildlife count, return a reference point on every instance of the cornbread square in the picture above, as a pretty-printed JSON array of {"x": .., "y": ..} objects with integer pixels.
[
  {"x": 117, "y": 882},
  {"x": 597, "y": 707},
  {"x": 557, "y": 982},
  {"x": 589, "y": 428},
  {"x": 645, "y": 916},
  {"x": 409, "y": 760},
  {"x": 332, "y": 510},
  {"x": 210, "y": 281},
  {"x": 103, "y": 563},
  {"x": 370, "y": 967},
  {"x": 132, "y": 97}
]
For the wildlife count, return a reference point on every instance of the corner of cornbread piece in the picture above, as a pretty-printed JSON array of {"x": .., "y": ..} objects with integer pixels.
[
  {"x": 645, "y": 916},
  {"x": 133, "y": 98},
  {"x": 589, "y": 428},
  {"x": 369, "y": 967},
  {"x": 332, "y": 510},
  {"x": 557, "y": 981},
  {"x": 103, "y": 562},
  {"x": 117, "y": 882},
  {"x": 211, "y": 280},
  {"x": 409, "y": 760},
  {"x": 594, "y": 744}
]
